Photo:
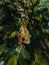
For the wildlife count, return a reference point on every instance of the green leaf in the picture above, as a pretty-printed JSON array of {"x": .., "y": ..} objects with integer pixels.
[
  {"x": 21, "y": 60},
  {"x": 12, "y": 61},
  {"x": 26, "y": 54},
  {"x": 0, "y": 52},
  {"x": 13, "y": 34}
]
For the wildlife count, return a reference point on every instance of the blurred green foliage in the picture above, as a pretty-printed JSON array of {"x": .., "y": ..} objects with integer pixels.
[{"x": 35, "y": 14}]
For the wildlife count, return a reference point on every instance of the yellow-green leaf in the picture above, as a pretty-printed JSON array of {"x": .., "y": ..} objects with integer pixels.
[
  {"x": 13, "y": 34},
  {"x": 0, "y": 52},
  {"x": 12, "y": 61}
]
